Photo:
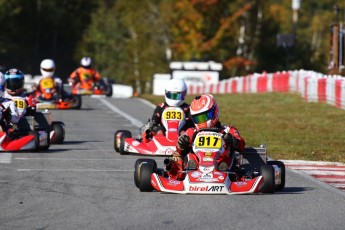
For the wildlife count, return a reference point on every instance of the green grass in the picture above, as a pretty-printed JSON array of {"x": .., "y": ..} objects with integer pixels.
[{"x": 290, "y": 127}]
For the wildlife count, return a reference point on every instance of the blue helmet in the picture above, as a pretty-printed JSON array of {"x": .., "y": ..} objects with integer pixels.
[{"x": 14, "y": 80}]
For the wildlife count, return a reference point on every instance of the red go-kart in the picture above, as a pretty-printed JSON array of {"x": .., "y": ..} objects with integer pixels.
[
  {"x": 242, "y": 177},
  {"x": 173, "y": 120}
]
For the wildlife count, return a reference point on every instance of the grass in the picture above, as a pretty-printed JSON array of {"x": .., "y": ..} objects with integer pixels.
[{"x": 290, "y": 127}]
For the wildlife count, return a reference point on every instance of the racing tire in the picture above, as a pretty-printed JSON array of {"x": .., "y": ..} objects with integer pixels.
[
  {"x": 137, "y": 166},
  {"x": 78, "y": 101},
  {"x": 117, "y": 141},
  {"x": 281, "y": 165},
  {"x": 125, "y": 134},
  {"x": 109, "y": 90},
  {"x": 59, "y": 128},
  {"x": 36, "y": 139},
  {"x": 267, "y": 172},
  {"x": 145, "y": 172},
  {"x": 44, "y": 148}
]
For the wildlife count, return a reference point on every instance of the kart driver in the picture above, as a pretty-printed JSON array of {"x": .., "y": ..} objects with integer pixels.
[
  {"x": 9, "y": 112},
  {"x": 204, "y": 112},
  {"x": 47, "y": 68},
  {"x": 175, "y": 94},
  {"x": 14, "y": 87},
  {"x": 84, "y": 72}
]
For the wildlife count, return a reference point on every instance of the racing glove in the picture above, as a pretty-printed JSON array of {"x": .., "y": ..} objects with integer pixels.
[
  {"x": 230, "y": 141},
  {"x": 6, "y": 115},
  {"x": 183, "y": 142}
]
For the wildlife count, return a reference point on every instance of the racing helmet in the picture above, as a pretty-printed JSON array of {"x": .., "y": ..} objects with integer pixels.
[
  {"x": 14, "y": 81},
  {"x": 2, "y": 83},
  {"x": 204, "y": 111},
  {"x": 47, "y": 68},
  {"x": 175, "y": 92},
  {"x": 86, "y": 62}
]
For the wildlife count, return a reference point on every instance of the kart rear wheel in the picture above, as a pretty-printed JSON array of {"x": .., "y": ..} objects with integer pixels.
[
  {"x": 137, "y": 167},
  {"x": 145, "y": 171},
  {"x": 125, "y": 134},
  {"x": 117, "y": 139},
  {"x": 267, "y": 171},
  {"x": 59, "y": 128},
  {"x": 281, "y": 165}
]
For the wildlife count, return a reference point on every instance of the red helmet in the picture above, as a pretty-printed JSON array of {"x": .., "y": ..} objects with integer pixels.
[{"x": 204, "y": 111}]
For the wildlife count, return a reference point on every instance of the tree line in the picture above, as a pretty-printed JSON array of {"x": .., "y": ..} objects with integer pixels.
[{"x": 129, "y": 41}]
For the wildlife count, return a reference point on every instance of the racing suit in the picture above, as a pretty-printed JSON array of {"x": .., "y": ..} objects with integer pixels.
[
  {"x": 155, "y": 125},
  {"x": 84, "y": 74},
  {"x": 9, "y": 113},
  {"x": 237, "y": 143},
  {"x": 23, "y": 110},
  {"x": 57, "y": 85}
]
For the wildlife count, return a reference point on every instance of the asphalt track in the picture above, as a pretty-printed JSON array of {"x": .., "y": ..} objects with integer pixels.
[{"x": 85, "y": 184}]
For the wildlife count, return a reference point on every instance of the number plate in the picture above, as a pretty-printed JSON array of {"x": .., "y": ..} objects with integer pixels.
[
  {"x": 20, "y": 103},
  {"x": 208, "y": 140},
  {"x": 47, "y": 83},
  {"x": 173, "y": 114}
]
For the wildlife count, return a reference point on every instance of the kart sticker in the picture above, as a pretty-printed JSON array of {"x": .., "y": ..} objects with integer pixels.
[{"x": 196, "y": 174}]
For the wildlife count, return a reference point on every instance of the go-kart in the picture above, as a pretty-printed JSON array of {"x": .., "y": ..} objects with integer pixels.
[
  {"x": 40, "y": 120},
  {"x": 243, "y": 176},
  {"x": 173, "y": 120},
  {"x": 86, "y": 86},
  {"x": 47, "y": 97}
]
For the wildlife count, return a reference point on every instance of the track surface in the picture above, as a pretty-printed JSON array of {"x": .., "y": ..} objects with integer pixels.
[{"x": 84, "y": 184}]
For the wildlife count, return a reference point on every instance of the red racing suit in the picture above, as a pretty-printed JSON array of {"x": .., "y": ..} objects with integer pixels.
[{"x": 177, "y": 165}]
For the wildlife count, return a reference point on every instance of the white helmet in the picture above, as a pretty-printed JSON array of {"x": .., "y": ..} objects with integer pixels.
[
  {"x": 47, "y": 68},
  {"x": 2, "y": 84},
  {"x": 175, "y": 92},
  {"x": 86, "y": 62}
]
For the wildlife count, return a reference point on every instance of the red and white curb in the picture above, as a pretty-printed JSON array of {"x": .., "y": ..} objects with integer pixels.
[{"x": 332, "y": 173}]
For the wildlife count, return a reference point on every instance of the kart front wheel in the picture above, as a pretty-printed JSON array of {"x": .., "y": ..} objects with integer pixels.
[
  {"x": 137, "y": 166},
  {"x": 117, "y": 139},
  {"x": 36, "y": 140},
  {"x": 145, "y": 172},
  {"x": 124, "y": 135},
  {"x": 59, "y": 128},
  {"x": 281, "y": 165},
  {"x": 267, "y": 171}
]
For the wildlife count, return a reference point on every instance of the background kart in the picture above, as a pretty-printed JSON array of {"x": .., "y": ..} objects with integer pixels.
[
  {"x": 89, "y": 88},
  {"x": 173, "y": 120},
  {"x": 47, "y": 97},
  {"x": 252, "y": 174}
]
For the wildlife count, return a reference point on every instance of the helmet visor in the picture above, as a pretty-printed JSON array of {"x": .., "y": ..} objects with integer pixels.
[
  {"x": 205, "y": 116},
  {"x": 175, "y": 95},
  {"x": 48, "y": 70},
  {"x": 14, "y": 83}
]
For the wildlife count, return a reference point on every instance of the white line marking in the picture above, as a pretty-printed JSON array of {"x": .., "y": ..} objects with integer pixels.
[
  {"x": 68, "y": 159},
  {"x": 134, "y": 121},
  {"x": 5, "y": 158},
  {"x": 146, "y": 102},
  {"x": 301, "y": 162},
  {"x": 323, "y": 173},
  {"x": 75, "y": 170}
]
